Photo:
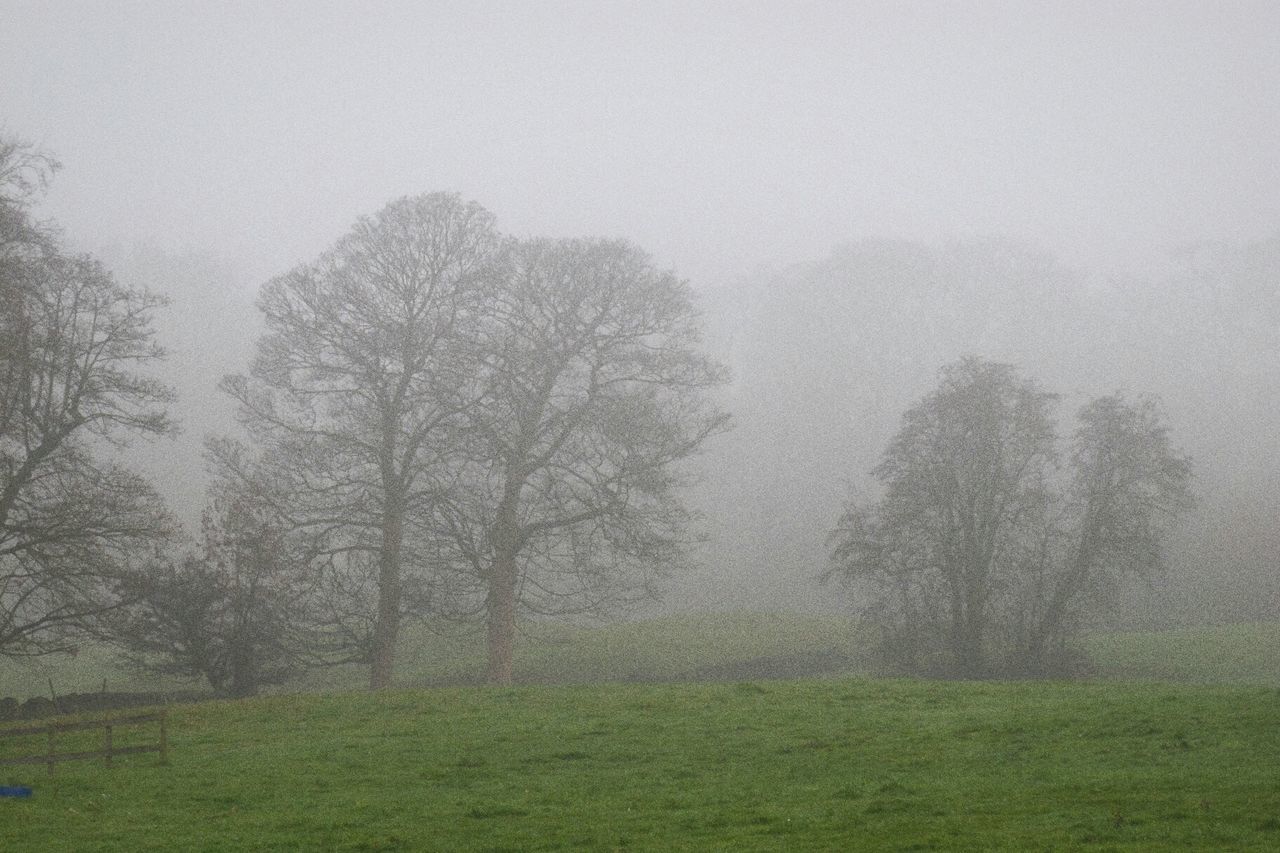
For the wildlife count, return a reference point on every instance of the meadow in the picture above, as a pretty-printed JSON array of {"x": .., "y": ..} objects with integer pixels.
[
  {"x": 809, "y": 764},
  {"x": 1227, "y": 654},
  {"x": 830, "y": 762},
  {"x": 701, "y": 647},
  {"x": 675, "y": 648}
]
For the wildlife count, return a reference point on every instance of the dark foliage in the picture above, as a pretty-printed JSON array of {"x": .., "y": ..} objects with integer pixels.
[{"x": 236, "y": 614}]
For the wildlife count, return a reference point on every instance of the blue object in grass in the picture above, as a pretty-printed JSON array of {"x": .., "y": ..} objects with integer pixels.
[{"x": 15, "y": 792}]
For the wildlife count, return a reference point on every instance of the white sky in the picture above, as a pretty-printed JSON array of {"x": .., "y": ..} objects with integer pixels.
[{"x": 716, "y": 135}]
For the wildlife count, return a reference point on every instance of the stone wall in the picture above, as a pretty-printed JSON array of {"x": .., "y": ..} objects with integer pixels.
[{"x": 76, "y": 703}]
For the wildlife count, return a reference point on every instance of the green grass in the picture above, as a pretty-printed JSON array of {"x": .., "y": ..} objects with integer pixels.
[
  {"x": 688, "y": 648},
  {"x": 820, "y": 765},
  {"x": 673, "y": 648},
  {"x": 1239, "y": 654},
  {"x": 732, "y": 646},
  {"x": 84, "y": 673}
]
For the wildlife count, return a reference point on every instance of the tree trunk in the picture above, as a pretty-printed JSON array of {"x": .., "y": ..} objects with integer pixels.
[
  {"x": 244, "y": 681},
  {"x": 387, "y": 629},
  {"x": 501, "y": 605},
  {"x": 240, "y": 654},
  {"x": 969, "y": 654}
]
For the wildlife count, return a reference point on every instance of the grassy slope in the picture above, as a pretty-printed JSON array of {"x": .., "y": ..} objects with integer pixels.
[
  {"x": 84, "y": 673},
  {"x": 674, "y": 648},
  {"x": 731, "y": 646},
  {"x": 833, "y": 764},
  {"x": 1246, "y": 654},
  {"x": 667, "y": 649}
]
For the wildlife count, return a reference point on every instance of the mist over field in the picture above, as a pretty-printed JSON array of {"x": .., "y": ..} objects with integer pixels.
[
  {"x": 859, "y": 194},
  {"x": 636, "y": 424}
]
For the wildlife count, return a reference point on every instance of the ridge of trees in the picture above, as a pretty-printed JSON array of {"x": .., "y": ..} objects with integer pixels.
[
  {"x": 445, "y": 422},
  {"x": 441, "y": 420}
]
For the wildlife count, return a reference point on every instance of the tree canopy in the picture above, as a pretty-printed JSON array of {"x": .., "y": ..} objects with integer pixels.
[
  {"x": 980, "y": 557},
  {"x": 358, "y": 385},
  {"x": 594, "y": 389},
  {"x": 74, "y": 345},
  {"x": 471, "y": 423}
]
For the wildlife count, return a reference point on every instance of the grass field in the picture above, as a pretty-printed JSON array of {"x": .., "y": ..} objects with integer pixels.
[
  {"x": 673, "y": 648},
  {"x": 688, "y": 648},
  {"x": 830, "y": 764},
  {"x": 727, "y": 646},
  {"x": 1230, "y": 654}
]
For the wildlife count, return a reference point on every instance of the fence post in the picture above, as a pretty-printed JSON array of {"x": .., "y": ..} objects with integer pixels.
[{"x": 50, "y": 757}]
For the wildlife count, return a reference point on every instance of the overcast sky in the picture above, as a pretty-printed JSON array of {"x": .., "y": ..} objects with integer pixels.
[{"x": 716, "y": 135}]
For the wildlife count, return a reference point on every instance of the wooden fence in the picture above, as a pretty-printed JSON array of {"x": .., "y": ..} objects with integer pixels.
[{"x": 51, "y": 756}]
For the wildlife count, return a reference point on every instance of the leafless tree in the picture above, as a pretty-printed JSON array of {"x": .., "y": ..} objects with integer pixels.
[
  {"x": 357, "y": 386},
  {"x": 963, "y": 479},
  {"x": 72, "y": 522},
  {"x": 236, "y": 612},
  {"x": 977, "y": 559},
  {"x": 595, "y": 390},
  {"x": 25, "y": 171},
  {"x": 1127, "y": 483}
]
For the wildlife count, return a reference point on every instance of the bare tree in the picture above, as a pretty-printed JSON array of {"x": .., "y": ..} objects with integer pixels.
[
  {"x": 964, "y": 479},
  {"x": 977, "y": 558},
  {"x": 25, "y": 172},
  {"x": 1127, "y": 483},
  {"x": 236, "y": 612},
  {"x": 25, "y": 246},
  {"x": 595, "y": 391},
  {"x": 358, "y": 384},
  {"x": 72, "y": 523}
]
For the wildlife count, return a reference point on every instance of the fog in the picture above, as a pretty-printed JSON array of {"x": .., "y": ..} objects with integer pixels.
[{"x": 860, "y": 193}]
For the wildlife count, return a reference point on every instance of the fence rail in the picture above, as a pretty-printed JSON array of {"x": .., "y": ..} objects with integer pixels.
[{"x": 51, "y": 756}]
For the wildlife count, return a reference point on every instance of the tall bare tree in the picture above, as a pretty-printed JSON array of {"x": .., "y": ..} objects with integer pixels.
[
  {"x": 1127, "y": 483},
  {"x": 978, "y": 558},
  {"x": 359, "y": 381},
  {"x": 963, "y": 479},
  {"x": 595, "y": 390},
  {"x": 75, "y": 342}
]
